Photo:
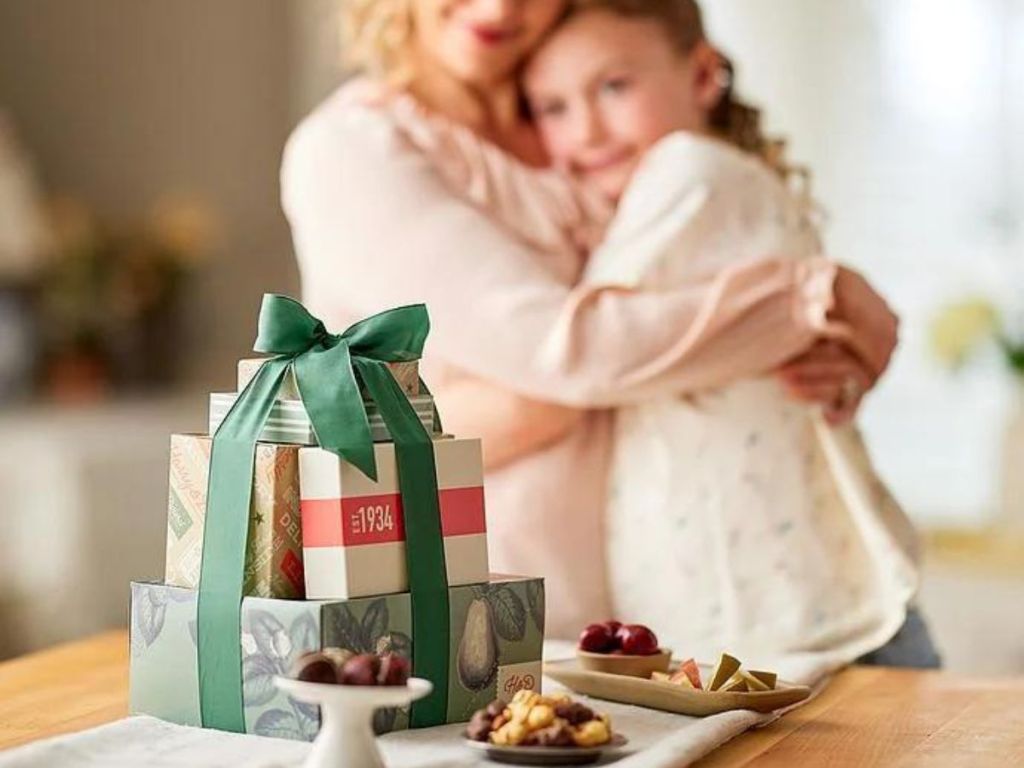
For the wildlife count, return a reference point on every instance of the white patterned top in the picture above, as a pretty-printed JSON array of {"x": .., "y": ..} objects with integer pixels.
[{"x": 737, "y": 519}]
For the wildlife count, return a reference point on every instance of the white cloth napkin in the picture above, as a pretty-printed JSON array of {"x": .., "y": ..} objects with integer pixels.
[{"x": 656, "y": 739}]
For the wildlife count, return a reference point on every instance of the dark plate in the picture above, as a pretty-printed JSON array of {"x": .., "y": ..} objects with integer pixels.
[{"x": 547, "y": 755}]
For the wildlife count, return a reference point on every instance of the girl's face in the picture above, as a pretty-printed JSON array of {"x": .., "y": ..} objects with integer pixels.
[
  {"x": 482, "y": 42},
  {"x": 604, "y": 88}
]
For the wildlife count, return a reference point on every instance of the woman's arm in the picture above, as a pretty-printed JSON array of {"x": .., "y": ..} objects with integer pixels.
[
  {"x": 375, "y": 227},
  {"x": 509, "y": 425},
  {"x": 541, "y": 206}
]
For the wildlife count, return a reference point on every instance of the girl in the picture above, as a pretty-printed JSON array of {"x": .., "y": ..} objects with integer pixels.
[
  {"x": 737, "y": 518},
  {"x": 376, "y": 226}
]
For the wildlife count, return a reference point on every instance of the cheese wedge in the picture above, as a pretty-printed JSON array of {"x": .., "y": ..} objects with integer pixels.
[
  {"x": 753, "y": 684},
  {"x": 727, "y": 667},
  {"x": 662, "y": 677},
  {"x": 735, "y": 684},
  {"x": 768, "y": 678}
]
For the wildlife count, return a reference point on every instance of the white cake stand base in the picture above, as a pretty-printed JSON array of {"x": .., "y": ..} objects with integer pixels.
[{"x": 346, "y": 738}]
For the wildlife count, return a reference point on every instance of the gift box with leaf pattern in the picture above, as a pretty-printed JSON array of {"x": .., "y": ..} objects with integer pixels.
[{"x": 497, "y": 631}]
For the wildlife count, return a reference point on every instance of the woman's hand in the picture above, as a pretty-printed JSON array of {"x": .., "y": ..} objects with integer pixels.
[
  {"x": 872, "y": 326},
  {"x": 829, "y": 375}
]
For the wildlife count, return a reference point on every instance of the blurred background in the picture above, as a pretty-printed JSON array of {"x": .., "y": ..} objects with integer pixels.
[{"x": 140, "y": 142}]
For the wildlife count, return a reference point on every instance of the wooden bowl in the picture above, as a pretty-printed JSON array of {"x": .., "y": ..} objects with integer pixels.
[
  {"x": 669, "y": 697},
  {"x": 620, "y": 664}
]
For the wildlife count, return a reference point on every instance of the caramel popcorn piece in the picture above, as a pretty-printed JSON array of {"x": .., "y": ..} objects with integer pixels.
[
  {"x": 591, "y": 734},
  {"x": 509, "y": 735},
  {"x": 519, "y": 712},
  {"x": 525, "y": 696},
  {"x": 541, "y": 716}
]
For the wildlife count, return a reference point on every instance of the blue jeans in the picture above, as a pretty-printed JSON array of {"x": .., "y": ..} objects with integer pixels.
[{"x": 911, "y": 647}]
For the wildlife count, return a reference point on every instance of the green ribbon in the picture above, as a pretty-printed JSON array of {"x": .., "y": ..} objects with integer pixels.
[{"x": 328, "y": 369}]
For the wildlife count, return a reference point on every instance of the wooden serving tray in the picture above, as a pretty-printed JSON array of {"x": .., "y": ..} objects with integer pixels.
[{"x": 669, "y": 697}]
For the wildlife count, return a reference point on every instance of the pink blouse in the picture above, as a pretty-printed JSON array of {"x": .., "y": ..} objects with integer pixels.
[{"x": 376, "y": 226}]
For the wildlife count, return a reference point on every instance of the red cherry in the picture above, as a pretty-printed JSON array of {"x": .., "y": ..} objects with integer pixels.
[
  {"x": 638, "y": 640},
  {"x": 394, "y": 670},
  {"x": 613, "y": 625},
  {"x": 620, "y": 635},
  {"x": 596, "y": 639},
  {"x": 360, "y": 670},
  {"x": 315, "y": 667}
]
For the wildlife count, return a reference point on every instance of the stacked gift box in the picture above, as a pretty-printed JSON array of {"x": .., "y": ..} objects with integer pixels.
[{"x": 328, "y": 557}]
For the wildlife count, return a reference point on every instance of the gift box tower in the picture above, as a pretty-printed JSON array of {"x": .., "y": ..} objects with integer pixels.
[{"x": 326, "y": 508}]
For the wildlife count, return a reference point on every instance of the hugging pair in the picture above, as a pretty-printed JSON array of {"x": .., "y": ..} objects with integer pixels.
[{"x": 736, "y": 517}]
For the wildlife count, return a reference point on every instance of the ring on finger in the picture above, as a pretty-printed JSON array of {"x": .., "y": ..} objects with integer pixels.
[{"x": 848, "y": 393}]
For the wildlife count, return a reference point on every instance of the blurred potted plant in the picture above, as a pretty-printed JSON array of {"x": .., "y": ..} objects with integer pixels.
[
  {"x": 958, "y": 333},
  {"x": 111, "y": 297},
  {"x": 23, "y": 247}
]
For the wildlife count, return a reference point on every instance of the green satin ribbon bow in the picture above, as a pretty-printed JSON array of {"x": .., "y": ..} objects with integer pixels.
[{"x": 328, "y": 369}]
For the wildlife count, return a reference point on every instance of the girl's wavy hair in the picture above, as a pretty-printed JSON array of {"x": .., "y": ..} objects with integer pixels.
[
  {"x": 732, "y": 119},
  {"x": 376, "y": 38}
]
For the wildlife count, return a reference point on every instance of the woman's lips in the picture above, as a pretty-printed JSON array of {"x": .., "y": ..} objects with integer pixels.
[{"x": 491, "y": 36}]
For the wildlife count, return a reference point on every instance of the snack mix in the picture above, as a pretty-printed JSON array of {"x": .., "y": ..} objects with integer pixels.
[{"x": 535, "y": 720}]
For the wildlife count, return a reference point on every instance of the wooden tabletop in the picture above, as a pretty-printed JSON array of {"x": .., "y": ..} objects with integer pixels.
[
  {"x": 866, "y": 717},
  {"x": 68, "y": 688}
]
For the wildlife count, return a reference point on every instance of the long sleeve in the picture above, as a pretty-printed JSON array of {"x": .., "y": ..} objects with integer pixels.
[
  {"x": 541, "y": 206},
  {"x": 375, "y": 226}
]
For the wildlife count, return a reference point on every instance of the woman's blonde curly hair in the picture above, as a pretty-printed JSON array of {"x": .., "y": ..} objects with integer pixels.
[{"x": 377, "y": 38}]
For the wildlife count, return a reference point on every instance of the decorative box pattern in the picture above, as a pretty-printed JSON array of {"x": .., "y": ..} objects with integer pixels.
[
  {"x": 273, "y": 561},
  {"x": 495, "y": 649},
  {"x": 289, "y": 423}
]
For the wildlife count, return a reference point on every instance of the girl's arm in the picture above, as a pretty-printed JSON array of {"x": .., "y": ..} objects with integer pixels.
[{"x": 375, "y": 227}]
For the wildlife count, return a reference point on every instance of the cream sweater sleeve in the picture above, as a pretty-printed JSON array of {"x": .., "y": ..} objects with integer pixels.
[{"x": 375, "y": 226}]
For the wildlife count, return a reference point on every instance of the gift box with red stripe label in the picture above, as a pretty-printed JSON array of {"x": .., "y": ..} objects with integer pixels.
[{"x": 353, "y": 531}]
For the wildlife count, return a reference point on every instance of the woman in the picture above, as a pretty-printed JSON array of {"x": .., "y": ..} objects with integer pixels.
[{"x": 375, "y": 226}]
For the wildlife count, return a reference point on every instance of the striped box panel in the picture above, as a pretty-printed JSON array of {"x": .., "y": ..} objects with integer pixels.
[
  {"x": 406, "y": 374},
  {"x": 288, "y": 422},
  {"x": 353, "y": 531}
]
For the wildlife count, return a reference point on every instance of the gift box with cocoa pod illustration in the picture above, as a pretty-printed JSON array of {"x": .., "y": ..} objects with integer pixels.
[{"x": 497, "y": 631}]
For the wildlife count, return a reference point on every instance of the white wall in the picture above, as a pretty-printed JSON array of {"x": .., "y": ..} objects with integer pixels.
[{"x": 909, "y": 114}]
